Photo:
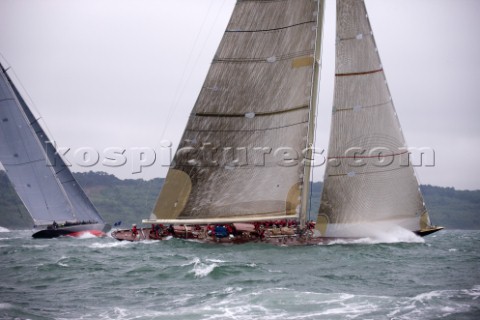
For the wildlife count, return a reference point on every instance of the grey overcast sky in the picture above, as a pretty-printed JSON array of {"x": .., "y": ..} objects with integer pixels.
[{"x": 126, "y": 73}]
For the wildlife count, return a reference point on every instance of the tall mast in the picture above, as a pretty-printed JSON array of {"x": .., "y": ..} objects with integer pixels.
[{"x": 312, "y": 116}]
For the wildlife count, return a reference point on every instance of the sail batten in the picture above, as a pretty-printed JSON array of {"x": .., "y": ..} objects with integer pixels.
[
  {"x": 274, "y": 29},
  {"x": 259, "y": 114},
  {"x": 241, "y": 153},
  {"x": 357, "y": 73}
]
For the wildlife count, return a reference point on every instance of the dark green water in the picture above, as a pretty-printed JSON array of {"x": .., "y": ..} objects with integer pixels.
[{"x": 407, "y": 278}]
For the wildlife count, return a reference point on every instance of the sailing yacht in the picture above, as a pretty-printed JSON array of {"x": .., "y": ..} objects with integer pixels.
[
  {"x": 243, "y": 162},
  {"x": 44, "y": 183}
]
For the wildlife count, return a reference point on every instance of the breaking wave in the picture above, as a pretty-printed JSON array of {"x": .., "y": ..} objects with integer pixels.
[
  {"x": 201, "y": 269},
  {"x": 108, "y": 245}
]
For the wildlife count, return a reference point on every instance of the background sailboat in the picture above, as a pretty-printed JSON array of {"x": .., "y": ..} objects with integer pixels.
[{"x": 42, "y": 180}]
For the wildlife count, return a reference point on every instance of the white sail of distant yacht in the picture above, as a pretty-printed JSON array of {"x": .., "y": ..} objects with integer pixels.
[
  {"x": 243, "y": 157},
  {"x": 40, "y": 177}
]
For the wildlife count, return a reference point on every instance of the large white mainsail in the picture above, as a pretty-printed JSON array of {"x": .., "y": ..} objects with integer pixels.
[
  {"x": 241, "y": 154},
  {"x": 368, "y": 178},
  {"x": 43, "y": 182}
]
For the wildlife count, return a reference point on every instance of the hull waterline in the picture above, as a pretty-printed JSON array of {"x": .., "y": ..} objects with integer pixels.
[{"x": 427, "y": 231}]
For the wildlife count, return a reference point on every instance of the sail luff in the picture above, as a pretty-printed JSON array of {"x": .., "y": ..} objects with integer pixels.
[{"x": 312, "y": 116}]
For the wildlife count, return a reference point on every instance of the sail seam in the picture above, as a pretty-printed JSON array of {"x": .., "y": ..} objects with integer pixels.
[
  {"x": 370, "y": 157},
  {"x": 7, "y": 99},
  {"x": 21, "y": 163},
  {"x": 262, "y": 1},
  {"x": 358, "y": 73},
  {"x": 57, "y": 172},
  {"x": 356, "y": 37},
  {"x": 365, "y": 107},
  {"x": 251, "y": 130},
  {"x": 362, "y": 173},
  {"x": 288, "y": 56},
  {"x": 68, "y": 181},
  {"x": 229, "y": 167},
  {"x": 270, "y": 30}
]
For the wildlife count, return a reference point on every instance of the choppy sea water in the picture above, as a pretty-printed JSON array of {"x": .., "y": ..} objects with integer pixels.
[{"x": 399, "y": 277}]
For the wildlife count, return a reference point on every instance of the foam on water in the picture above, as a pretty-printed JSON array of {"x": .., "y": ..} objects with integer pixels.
[
  {"x": 2, "y": 229},
  {"x": 108, "y": 245},
  {"x": 63, "y": 264},
  {"x": 5, "y": 306},
  {"x": 35, "y": 246},
  {"x": 86, "y": 235},
  {"x": 194, "y": 261},
  {"x": 288, "y": 304},
  {"x": 391, "y": 235},
  {"x": 276, "y": 303},
  {"x": 201, "y": 269},
  {"x": 179, "y": 280},
  {"x": 215, "y": 260}
]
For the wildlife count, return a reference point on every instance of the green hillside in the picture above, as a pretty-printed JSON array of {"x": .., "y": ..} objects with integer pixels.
[{"x": 131, "y": 200}]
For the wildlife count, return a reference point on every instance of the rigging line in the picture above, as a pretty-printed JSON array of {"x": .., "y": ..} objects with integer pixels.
[
  {"x": 57, "y": 172},
  {"x": 19, "y": 164},
  {"x": 269, "y": 30},
  {"x": 30, "y": 103},
  {"x": 181, "y": 83},
  {"x": 180, "y": 90}
]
